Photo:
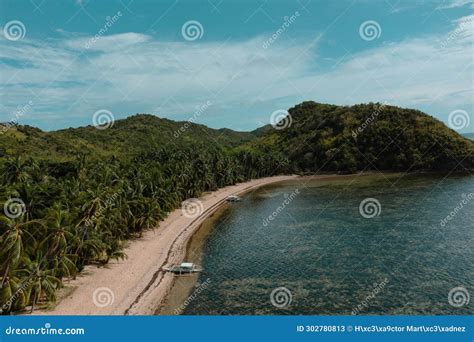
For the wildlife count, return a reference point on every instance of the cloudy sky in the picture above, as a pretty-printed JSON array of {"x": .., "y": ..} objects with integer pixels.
[{"x": 62, "y": 61}]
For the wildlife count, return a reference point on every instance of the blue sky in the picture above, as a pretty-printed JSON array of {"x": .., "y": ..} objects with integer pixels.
[{"x": 248, "y": 60}]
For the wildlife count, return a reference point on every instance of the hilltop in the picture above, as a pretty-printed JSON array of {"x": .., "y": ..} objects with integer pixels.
[
  {"x": 321, "y": 137},
  {"x": 129, "y": 136},
  {"x": 315, "y": 137}
]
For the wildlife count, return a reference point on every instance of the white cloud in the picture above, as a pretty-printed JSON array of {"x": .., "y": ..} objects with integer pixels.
[
  {"x": 455, "y": 3},
  {"x": 131, "y": 72},
  {"x": 108, "y": 43}
]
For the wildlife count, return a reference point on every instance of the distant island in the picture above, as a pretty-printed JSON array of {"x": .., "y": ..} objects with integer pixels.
[
  {"x": 469, "y": 135},
  {"x": 76, "y": 195}
]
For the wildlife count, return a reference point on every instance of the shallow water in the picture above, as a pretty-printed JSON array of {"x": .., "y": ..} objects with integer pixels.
[{"x": 320, "y": 256}]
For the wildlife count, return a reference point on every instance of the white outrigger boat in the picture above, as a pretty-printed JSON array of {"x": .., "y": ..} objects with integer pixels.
[
  {"x": 183, "y": 268},
  {"x": 233, "y": 198}
]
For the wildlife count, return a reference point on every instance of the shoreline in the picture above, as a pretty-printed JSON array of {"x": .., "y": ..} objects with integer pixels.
[
  {"x": 182, "y": 287},
  {"x": 138, "y": 285}
]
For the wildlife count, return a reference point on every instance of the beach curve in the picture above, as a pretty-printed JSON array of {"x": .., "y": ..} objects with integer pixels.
[{"x": 138, "y": 284}]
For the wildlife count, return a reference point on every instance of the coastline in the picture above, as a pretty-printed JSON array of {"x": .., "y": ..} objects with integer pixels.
[
  {"x": 138, "y": 285},
  {"x": 182, "y": 287}
]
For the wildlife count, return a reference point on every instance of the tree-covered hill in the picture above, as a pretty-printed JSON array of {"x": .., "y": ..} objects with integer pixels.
[
  {"x": 324, "y": 137},
  {"x": 125, "y": 137}
]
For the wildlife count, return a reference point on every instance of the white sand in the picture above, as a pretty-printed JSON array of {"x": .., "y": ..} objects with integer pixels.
[{"x": 137, "y": 285}]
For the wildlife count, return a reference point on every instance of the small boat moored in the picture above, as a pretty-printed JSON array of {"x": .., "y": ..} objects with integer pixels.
[
  {"x": 233, "y": 198},
  {"x": 183, "y": 268}
]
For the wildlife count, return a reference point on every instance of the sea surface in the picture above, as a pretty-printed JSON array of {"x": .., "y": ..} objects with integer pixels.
[{"x": 323, "y": 253}]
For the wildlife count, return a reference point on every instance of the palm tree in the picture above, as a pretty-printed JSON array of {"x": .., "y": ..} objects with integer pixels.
[
  {"x": 12, "y": 243},
  {"x": 15, "y": 170}
]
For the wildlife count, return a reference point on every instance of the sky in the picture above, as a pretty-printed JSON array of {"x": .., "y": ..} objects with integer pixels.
[{"x": 230, "y": 63}]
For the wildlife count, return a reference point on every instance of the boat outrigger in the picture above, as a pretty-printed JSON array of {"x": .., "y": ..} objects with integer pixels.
[
  {"x": 183, "y": 268},
  {"x": 233, "y": 198}
]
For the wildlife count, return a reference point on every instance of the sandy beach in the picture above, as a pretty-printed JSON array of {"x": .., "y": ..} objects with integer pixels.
[{"x": 138, "y": 285}]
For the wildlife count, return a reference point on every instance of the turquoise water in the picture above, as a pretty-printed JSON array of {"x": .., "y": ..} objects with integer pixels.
[{"x": 331, "y": 260}]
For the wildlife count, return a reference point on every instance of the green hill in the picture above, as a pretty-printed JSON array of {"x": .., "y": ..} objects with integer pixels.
[
  {"x": 321, "y": 137},
  {"x": 126, "y": 137},
  {"x": 325, "y": 137}
]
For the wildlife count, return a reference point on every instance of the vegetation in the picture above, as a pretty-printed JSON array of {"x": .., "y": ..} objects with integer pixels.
[
  {"x": 367, "y": 137},
  {"x": 85, "y": 191}
]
